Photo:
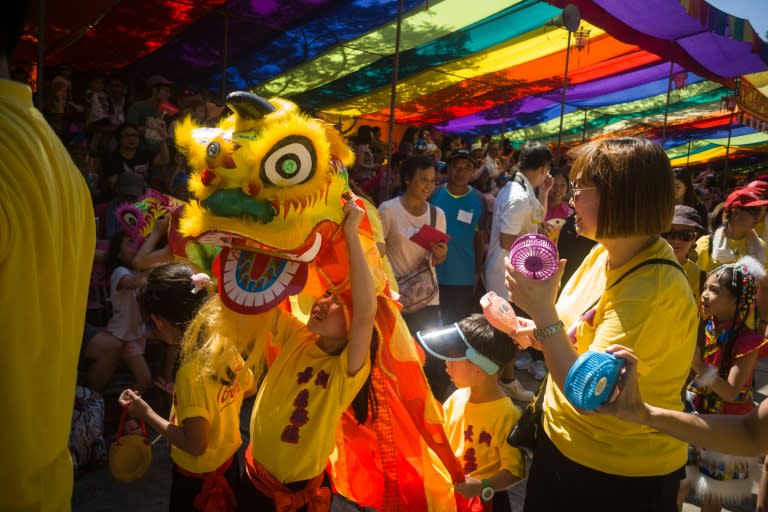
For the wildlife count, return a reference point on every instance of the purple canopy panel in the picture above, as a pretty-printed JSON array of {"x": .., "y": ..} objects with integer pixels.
[
  {"x": 614, "y": 83},
  {"x": 725, "y": 57},
  {"x": 493, "y": 116},
  {"x": 664, "y": 28},
  {"x": 665, "y": 19}
]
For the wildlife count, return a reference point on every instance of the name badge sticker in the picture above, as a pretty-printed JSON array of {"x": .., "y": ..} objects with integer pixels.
[{"x": 464, "y": 216}]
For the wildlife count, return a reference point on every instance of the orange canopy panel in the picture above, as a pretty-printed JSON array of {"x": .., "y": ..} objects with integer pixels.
[{"x": 605, "y": 56}]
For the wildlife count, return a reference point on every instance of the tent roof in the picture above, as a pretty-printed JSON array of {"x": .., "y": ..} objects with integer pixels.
[{"x": 493, "y": 69}]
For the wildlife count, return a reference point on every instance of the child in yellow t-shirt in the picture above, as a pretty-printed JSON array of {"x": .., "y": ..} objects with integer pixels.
[
  {"x": 479, "y": 415},
  {"x": 204, "y": 429},
  {"x": 319, "y": 370}
]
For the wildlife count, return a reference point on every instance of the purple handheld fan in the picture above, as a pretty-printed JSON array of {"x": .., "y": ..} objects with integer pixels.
[{"x": 534, "y": 256}]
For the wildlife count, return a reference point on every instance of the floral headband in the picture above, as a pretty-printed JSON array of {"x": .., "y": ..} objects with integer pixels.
[{"x": 747, "y": 271}]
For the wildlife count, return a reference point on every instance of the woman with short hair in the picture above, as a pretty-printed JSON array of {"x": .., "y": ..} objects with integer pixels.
[{"x": 626, "y": 291}]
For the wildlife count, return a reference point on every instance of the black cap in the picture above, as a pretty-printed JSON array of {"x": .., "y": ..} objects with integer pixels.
[{"x": 460, "y": 153}]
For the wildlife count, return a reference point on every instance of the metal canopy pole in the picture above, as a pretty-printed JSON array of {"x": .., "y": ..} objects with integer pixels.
[
  {"x": 732, "y": 107},
  {"x": 666, "y": 108},
  {"x": 562, "y": 101},
  {"x": 393, "y": 97}
]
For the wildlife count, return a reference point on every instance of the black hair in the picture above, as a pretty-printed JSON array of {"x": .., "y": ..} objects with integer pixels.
[
  {"x": 557, "y": 171},
  {"x": 491, "y": 342},
  {"x": 123, "y": 127},
  {"x": 410, "y": 165},
  {"x": 409, "y": 134},
  {"x": 15, "y": 16},
  {"x": 684, "y": 175},
  {"x": 365, "y": 401},
  {"x": 533, "y": 155},
  {"x": 168, "y": 294},
  {"x": 364, "y": 135}
]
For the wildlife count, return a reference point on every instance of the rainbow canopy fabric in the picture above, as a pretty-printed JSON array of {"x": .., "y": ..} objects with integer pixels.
[{"x": 494, "y": 67}]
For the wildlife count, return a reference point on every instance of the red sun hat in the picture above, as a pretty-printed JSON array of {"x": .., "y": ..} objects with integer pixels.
[{"x": 744, "y": 198}]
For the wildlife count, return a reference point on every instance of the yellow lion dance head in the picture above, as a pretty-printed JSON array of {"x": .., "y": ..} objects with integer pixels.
[{"x": 269, "y": 171}]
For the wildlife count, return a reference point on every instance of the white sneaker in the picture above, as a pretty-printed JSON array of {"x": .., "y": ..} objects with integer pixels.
[
  {"x": 538, "y": 369},
  {"x": 523, "y": 360},
  {"x": 516, "y": 391}
]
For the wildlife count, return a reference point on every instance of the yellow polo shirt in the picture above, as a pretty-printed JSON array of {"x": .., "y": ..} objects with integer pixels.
[
  {"x": 47, "y": 243},
  {"x": 197, "y": 395},
  {"x": 652, "y": 312}
]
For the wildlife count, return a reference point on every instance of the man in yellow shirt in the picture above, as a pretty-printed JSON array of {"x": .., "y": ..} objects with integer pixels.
[{"x": 47, "y": 241}]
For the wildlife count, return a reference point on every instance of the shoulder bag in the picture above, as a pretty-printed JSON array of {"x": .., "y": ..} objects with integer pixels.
[{"x": 418, "y": 288}]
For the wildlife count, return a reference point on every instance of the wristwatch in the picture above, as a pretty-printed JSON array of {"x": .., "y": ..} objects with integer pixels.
[
  {"x": 542, "y": 334},
  {"x": 487, "y": 493}
]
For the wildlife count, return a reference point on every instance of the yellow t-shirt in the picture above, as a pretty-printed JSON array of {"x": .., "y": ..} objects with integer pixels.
[
  {"x": 652, "y": 312},
  {"x": 47, "y": 243},
  {"x": 300, "y": 403},
  {"x": 739, "y": 248},
  {"x": 478, "y": 435},
  {"x": 205, "y": 396},
  {"x": 693, "y": 273}
]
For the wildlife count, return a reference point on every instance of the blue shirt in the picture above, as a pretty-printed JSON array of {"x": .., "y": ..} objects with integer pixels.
[{"x": 462, "y": 216}]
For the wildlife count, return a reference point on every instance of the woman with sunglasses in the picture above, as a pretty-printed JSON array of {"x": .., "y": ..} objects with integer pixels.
[{"x": 686, "y": 226}]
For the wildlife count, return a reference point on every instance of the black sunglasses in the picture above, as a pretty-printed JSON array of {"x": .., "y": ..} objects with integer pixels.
[{"x": 684, "y": 236}]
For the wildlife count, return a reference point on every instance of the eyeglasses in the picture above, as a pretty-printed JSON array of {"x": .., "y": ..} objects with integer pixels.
[
  {"x": 130, "y": 134},
  {"x": 684, "y": 236},
  {"x": 576, "y": 189}
]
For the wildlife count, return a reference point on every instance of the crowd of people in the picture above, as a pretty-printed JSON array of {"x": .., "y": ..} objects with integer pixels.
[{"x": 661, "y": 267}]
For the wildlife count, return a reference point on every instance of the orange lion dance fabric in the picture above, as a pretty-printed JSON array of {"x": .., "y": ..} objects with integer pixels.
[{"x": 270, "y": 184}]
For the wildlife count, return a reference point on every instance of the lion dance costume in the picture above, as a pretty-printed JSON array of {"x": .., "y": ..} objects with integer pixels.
[{"x": 270, "y": 184}]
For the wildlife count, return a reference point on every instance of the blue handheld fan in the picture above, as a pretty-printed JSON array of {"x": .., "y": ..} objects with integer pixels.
[{"x": 591, "y": 379}]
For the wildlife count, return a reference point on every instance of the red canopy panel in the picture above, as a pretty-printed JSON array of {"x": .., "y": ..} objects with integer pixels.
[{"x": 104, "y": 35}]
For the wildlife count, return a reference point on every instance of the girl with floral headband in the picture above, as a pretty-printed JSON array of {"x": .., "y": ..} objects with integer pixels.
[
  {"x": 725, "y": 367},
  {"x": 204, "y": 427}
]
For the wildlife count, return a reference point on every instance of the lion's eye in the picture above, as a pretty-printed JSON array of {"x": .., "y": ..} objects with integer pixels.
[
  {"x": 130, "y": 218},
  {"x": 290, "y": 162},
  {"x": 213, "y": 149}
]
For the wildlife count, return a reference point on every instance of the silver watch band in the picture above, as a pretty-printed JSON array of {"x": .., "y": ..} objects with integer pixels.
[{"x": 546, "y": 332}]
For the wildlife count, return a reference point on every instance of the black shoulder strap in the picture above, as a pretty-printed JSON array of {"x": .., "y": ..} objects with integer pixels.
[
  {"x": 432, "y": 215},
  {"x": 651, "y": 261},
  {"x": 519, "y": 179}
]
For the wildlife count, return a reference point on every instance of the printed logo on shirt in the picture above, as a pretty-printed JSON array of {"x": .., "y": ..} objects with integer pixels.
[
  {"x": 470, "y": 455},
  {"x": 470, "y": 461},
  {"x": 300, "y": 415}
]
